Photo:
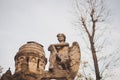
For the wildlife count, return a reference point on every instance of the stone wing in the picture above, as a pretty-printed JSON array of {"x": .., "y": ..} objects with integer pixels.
[{"x": 75, "y": 56}]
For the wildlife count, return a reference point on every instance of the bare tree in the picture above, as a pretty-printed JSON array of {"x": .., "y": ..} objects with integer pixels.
[
  {"x": 109, "y": 62},
  {"x": 90, "y": 14}
]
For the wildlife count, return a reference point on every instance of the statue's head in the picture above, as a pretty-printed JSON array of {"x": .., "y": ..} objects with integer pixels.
[{"x": 61, "y": 37}]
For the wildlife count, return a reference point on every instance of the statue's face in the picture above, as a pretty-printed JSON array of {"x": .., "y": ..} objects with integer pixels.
[{"x": 61, "y": 38}]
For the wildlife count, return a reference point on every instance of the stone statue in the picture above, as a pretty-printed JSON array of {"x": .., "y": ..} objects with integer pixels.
[
  {"x": 59, "y": 54},
  {"x": 64, "y": 57}
]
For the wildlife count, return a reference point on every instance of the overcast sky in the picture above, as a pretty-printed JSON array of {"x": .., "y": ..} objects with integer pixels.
[{"x": 40, "y": 21}]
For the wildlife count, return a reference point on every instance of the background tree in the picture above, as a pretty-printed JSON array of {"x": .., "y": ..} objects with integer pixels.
[
  {"x": 109, "y": 63},
  {"x": 91, "y": 16}
]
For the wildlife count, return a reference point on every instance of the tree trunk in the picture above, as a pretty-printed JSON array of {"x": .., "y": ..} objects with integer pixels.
[{"x": 95, "y": 60}]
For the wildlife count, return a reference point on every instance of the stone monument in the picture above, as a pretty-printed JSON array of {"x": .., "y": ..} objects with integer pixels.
[{"x": 30, "y": 61}]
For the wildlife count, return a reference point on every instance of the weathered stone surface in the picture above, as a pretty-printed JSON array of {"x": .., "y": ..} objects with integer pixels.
[
  {"x": 30, "y": 61},
  {"x": 64, "y": 57},
  {"x": 30, "y": 57}
]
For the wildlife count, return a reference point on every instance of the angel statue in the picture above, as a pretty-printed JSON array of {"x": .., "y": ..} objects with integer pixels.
[{"x": 64, "y": 57}]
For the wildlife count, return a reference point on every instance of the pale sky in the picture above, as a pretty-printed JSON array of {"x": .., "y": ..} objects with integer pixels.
[{"x": 40, "y": 21}]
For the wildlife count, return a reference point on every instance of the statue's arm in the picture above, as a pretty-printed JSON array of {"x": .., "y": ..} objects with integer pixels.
[
  {"x": 57, "y": 45},
  {"x": 61, "y": 44},
  {"x": 53, "y": 47}
]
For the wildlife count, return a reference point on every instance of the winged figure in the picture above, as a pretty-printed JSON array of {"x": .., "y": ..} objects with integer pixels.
[{"x": 64, "y": 57}]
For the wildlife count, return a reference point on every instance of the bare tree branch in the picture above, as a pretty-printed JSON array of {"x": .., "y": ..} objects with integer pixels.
[{"x": 93, "y": 12}]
